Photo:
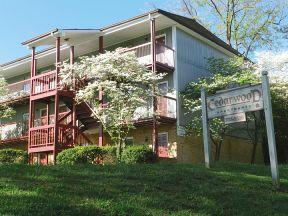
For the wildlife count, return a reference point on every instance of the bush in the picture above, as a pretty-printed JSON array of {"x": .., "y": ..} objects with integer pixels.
[
  {"x": 81, "y": 155},
  {"x": 109, "y": 155},
  {"x": 13, "y": 156},
  {"x": 137, "y": 154}
]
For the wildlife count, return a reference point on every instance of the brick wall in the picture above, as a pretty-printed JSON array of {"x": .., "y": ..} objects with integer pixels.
[{"x": 190, "y": 149}]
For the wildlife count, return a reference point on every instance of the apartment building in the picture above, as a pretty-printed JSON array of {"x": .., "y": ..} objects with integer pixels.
[{"x": 48, "y": 120}]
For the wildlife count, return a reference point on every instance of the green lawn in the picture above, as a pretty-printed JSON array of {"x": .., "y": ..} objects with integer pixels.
[{"x": 159, "y": 189}]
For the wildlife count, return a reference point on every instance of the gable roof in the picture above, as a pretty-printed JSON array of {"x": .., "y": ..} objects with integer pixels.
[{"x": 200, "y": 29}]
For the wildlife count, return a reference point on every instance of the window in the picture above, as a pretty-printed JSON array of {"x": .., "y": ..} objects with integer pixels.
[
  {"x": 163, "y": 139},
  {"x": 161, "y": 39},
  {"x": 162, "y": 103},
  {"x": 129, "y": 141},
  {"x": 163, "y": 145},
  {"x": 25, "y": 124}
]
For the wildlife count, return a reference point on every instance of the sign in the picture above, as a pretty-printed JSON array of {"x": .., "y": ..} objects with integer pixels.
[
  {"x": 238, "y": 100},
  {"x": 232, "y": 104},
  {"x": 238, "y": 117}
]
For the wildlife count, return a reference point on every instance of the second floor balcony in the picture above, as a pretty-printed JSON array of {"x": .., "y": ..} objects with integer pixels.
[
  {"x": 164, "y": 55},
  {"x": 17, "y": 91}
]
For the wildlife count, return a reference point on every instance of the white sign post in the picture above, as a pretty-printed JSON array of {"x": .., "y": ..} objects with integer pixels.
[
  {"x": 232, "y": 105},
  {"x": 270, "y": 129},
  {"x": 206, "y": 137}
]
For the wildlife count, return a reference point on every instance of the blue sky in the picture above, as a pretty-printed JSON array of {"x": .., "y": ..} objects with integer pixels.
[{"x": 21, "y": 20}]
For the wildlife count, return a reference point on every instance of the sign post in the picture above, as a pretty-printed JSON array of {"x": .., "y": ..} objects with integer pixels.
[
  {"x": 231, "y": 105},
  {"x": 270, "y": 129},
  {"x": 207, "y": 147}
]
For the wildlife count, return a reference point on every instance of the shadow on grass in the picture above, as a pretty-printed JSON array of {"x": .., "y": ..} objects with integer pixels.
[{"x": 157, "y": 189}]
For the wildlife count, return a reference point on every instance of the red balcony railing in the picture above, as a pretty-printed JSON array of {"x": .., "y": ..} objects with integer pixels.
[
  {"x": 42, "y": 136},
  {"x": 164, "y": 54},
  {"x": 44, "y": 82},
  {"x": 17, "y": 91}
]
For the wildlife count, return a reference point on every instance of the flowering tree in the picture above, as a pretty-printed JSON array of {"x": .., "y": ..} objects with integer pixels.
[
  {"x": 235, "y": 72},
  {"x": 6, "y": 110},
  {"x": 126, "y": 86},
  {"x": 226, "y": 74},
  {"x": 276, "y": 63}
]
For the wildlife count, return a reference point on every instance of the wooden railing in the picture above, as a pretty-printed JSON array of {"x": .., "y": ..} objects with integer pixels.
[
  {"x": 17, "y": 90},
  {"x": 164, "y": 54},
  {"x": 13, "y": 130},
  {"x": 44, "y": 83},
  {"x": 42, "y": 136},
  {"x": 166, "y": 107}
]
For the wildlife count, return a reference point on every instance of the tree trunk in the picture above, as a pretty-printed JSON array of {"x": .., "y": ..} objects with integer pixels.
[
  {"x": 255, "y": 140},
  {"x": 265, "y": 150},
  {"x": 217, "y": 150}
]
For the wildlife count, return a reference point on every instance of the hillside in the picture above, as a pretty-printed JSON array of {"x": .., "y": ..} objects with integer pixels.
[{"x": 158, "y": 189}]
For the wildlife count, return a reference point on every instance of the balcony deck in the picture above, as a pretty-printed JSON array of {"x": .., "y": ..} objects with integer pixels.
[
  {"x": 18, "y": 91},
  {"x": 45, "y": 83},
  {"x": 164, "y": 56}
]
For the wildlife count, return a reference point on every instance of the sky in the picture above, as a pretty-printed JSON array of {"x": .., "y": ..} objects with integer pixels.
[{"x": 23, "y": 19}]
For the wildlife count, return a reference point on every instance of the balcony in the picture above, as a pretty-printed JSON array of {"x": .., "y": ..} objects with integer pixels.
[
  {"x": 166, "y": 111},
  {"x": 44, "y": 83},
  {"x": 17, "y": 91},
  {"x": 164, "y": 55},
  {"x": 14, "y": 131}
]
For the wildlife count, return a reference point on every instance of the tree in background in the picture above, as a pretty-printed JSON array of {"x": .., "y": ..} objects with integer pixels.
[
  {"x": 243, "y": 24},
  {"x": 226, "y": 74},
  {"x": 276, "y": 63},
  {"x": 126, "y": 85},
  {"x": 236, "y": 72}
]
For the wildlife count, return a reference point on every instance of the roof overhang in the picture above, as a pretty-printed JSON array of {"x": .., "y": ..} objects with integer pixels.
[
  {"x": 67, "y": 36},
  {"x": 86, "y": 40}
]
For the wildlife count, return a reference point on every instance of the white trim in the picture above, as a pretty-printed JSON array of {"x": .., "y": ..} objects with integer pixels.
[{"x": 129, "y": 24}]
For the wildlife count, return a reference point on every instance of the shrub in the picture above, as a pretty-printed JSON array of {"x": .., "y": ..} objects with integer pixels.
[
  {"x": 81, "y": 155},
  {"x": 13, "y": 156},
  {"x": 138, "y": 154},
  {"x": 109, "y": 155}
]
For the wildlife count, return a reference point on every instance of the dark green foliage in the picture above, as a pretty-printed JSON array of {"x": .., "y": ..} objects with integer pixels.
[
  {"x": 13, "y": 156},
  {"x": 81, "y": 155},
  {"x": 137, "y": 154}
]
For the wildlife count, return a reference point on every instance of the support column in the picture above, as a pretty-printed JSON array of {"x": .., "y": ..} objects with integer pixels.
[
  {"x": 56, "y": 108},
  {"x": 72, "y": 56},
  {"x": 101, "y": 137},
  {"x": 31, "y": 103},
  {"x": 153, "y": 68}
]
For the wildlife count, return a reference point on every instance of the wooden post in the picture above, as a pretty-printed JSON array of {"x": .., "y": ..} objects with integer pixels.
[
  {"x": 205, "y": 124},
  {"x": 101, "y": 137},
  {"x": 31, "y": 103},
  {"x": 72, "y": 56},
  {"x": 270, "y": 129},
  {"x": 153, "y": 68},
  {"x": 56, "y": 105}
]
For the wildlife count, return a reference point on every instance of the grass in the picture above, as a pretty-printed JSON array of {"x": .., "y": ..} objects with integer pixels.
[{"x": 157, "y": 189}]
